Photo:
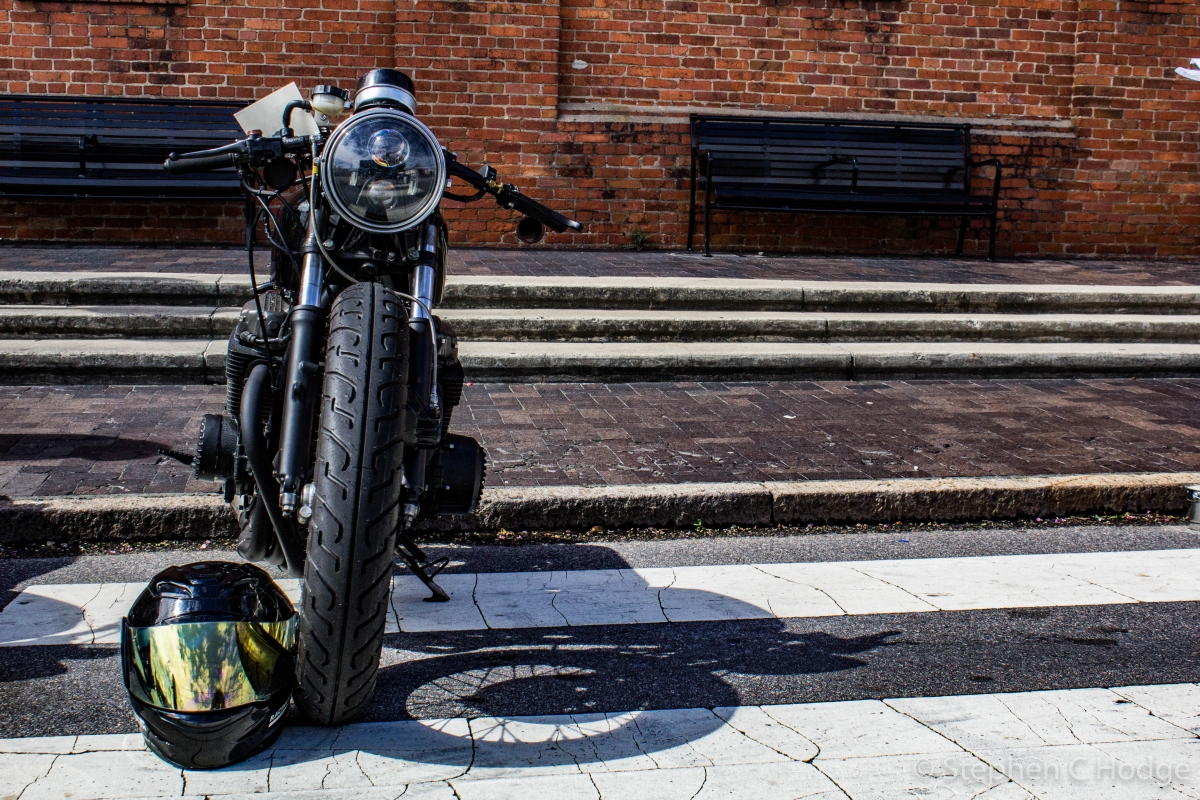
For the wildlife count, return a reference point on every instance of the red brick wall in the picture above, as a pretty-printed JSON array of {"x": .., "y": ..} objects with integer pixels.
[
  {"x": 1001, "y": 57},
  {"x": 582, "y": 102}
]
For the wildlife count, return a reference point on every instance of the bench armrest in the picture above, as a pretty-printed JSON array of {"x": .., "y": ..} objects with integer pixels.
[{"x": 987, "y": 162}]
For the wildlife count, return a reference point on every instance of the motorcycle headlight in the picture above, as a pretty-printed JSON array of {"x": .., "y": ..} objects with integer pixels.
[{"x": 383, "y": 171}]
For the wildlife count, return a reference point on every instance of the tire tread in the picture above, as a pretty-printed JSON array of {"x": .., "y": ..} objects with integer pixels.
[{"x": 352, "y": 531}]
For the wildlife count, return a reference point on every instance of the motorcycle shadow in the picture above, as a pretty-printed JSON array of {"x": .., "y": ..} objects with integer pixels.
[{"x": 573, "y": 697}]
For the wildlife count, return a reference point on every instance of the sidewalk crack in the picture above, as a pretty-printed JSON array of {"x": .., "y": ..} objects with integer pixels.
[
  {"x": 554, "y": 605},
  {"x": 815, "y": 744},
  {"x": 1000, "y": 699},
  {"x": 638, "y": 743},
  {"x": 730, "y": 725},
  {"x": 49, "y": 769},
  {"x": 1133, "y": 600},
  {"x": 962, "y": 749},
  {"x": 83, "y": 613},
  {"x": 357, "y": 763},
  {"x": 475, "y": 600},
  {"x": 703, "y": 781},
  {"x": 661, "y": 608},
  {"x": 474, "y": 753},
  {"x": 925, "y": 725},
  {"x": 896, "y": 586},
  {"x": 805, "y": 585},
  {"x": 1150, "y": 711}
]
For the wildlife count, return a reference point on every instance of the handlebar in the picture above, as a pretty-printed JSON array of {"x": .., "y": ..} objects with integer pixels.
[
  {"x": 510, "y": 196},
  {"x": 182, "y": 165},
  {"x": 254, "y": 149},
  {"x": 257, "y": 149}
]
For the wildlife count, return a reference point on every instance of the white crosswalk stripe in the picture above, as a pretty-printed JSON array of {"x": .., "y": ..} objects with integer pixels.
[
  {"x": 91, "y": 613},
  {"x": 1135, "y": 742},
  {"x": 1128, "y": 742}
]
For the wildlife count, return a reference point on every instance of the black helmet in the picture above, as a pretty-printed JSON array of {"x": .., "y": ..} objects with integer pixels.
[
  {"x": 386, "y": 87},
  {"x": 206, "y": 653}
]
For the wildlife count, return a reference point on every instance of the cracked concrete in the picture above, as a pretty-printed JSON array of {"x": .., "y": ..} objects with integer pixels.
[
  {"x": 91, "y": 613},
  {"x": 1000, "y": 747}
]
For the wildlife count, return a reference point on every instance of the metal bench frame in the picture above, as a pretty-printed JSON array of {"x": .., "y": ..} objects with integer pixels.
[
  {"x": 904, "y": 169},
  {"x": 111, "y": 147}
]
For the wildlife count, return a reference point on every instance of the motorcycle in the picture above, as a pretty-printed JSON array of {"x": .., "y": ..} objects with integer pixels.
[{"x": 341, "y": 380}]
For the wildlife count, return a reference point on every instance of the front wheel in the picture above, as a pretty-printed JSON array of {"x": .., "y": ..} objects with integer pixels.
[{"x": 352, "y": 532}]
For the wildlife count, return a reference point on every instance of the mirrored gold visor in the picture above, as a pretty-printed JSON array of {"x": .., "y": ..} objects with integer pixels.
[{"x": 209, "y": 666}]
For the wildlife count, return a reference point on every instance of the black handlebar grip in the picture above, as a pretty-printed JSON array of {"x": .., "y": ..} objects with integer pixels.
[
  {"x": 532, "y": 208},
  {"x": 184, "y": 165}
]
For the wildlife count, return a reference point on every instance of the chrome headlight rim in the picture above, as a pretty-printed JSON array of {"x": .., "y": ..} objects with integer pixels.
[{"x": 400, "y": 118}]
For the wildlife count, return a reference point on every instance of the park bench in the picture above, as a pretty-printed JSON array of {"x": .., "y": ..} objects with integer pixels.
[
  {"x": 111, "y": 147},
  {"x": 836, "y": 166}
]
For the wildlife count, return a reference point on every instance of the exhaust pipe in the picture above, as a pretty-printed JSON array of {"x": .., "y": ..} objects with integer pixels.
[{"x": 260, "y": 467}]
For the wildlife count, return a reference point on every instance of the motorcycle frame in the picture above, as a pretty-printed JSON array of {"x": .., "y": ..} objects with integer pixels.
[
  {"x": 301, "y": 379},
  {"x": 296, "y": 375}
]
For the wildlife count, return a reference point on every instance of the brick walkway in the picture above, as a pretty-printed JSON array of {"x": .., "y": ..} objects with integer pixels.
[
  {"x": 594, "y": 263},
  {"x": 96, "y": 439}
]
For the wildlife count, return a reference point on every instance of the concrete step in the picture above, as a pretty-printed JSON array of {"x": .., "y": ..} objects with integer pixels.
[
  {"x": 123, "y": 288},
  {"x": 142, "y": 321},
  {"x": 703, "y": 294},
  {"x": 723, "y": 294},
  {"x": 585, "y": 325},
  {"x": 203, "y": 360}
]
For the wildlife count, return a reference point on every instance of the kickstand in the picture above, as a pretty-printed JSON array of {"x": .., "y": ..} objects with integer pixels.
[{"x": 420, "y": 565}]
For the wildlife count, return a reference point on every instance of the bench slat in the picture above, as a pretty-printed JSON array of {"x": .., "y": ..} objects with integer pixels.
[
  {"x": 125, "y": 141},
  {"x": 834, "y": 166}
]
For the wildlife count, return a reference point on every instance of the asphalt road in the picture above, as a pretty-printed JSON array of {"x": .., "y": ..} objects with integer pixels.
[{"x": 76, "y": 689}]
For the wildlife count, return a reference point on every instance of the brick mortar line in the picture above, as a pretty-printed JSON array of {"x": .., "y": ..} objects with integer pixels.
[{"x": 150, "y": 517}]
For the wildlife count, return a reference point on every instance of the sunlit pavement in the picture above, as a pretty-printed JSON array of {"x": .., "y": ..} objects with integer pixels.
[{"x": 998, "y": 664}]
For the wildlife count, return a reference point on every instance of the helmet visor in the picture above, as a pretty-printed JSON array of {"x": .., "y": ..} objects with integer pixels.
[{"x": 209, "y": 666}]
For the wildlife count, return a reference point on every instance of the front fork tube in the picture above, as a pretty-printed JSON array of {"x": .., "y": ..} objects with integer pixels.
[
  {"x": 422, "y": 359},
  {"x": 299, "y": 390}
]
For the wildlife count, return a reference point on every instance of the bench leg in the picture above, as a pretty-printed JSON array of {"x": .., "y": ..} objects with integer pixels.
[
  {"x": 707, "y": 228},
  {"x": 708, "y": 211},
  {"x": 692, "y": 205},
  {"x": 992, "y": 238},
  {"x": 962, "y": 236}
]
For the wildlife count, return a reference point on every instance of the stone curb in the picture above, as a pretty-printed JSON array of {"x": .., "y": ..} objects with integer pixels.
[{"x": 715, "y": 505}]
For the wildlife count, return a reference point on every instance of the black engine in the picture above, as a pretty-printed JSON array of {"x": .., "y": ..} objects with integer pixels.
[{"x": 455, "y": 473}]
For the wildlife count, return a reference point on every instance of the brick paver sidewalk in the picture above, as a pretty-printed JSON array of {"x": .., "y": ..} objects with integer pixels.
[
  {"x": 598, "y": 263},
  {"x": 96, "y": 439}
]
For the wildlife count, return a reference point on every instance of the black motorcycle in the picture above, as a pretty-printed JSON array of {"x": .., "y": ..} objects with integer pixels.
[{"x": 341, "y": 381}]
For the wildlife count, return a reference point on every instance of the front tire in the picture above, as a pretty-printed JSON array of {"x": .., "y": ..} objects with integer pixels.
[{"x": 347, "y": 575}]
